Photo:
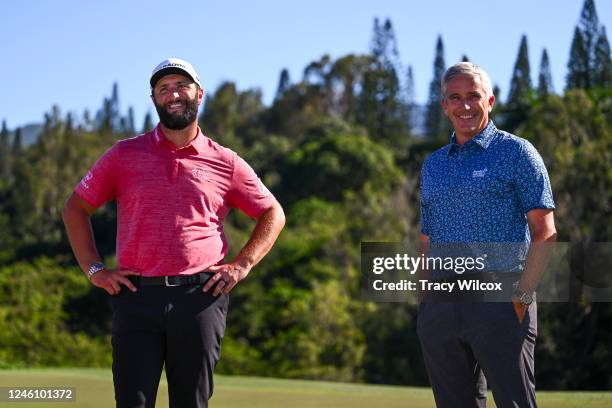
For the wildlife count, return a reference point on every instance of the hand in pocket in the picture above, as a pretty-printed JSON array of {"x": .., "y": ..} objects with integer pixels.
[{"x": 520, "y": 309}]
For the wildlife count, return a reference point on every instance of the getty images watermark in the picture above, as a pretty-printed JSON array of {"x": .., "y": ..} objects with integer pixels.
[{"x": 391, "y": 272}]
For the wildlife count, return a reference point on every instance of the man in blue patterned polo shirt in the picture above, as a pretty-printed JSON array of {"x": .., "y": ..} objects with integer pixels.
[{"x": 486, "y": 189}]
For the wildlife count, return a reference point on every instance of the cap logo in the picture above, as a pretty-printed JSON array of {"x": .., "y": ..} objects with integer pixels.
[{"x": 172, "y": 64}]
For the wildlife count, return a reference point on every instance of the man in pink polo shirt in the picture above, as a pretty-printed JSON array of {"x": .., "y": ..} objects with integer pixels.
[{"x": 174, "y": 187}]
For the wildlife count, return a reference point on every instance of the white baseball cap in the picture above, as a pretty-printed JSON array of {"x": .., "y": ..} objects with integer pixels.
[{"x": 174, "y": 66}]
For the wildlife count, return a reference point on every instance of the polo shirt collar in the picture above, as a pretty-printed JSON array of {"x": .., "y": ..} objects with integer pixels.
[
  {"x": 159, "y": 138},
  {"x": 482, "y": 139}
]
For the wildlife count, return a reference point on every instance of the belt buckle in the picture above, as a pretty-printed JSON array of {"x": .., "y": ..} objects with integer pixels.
[{"x": 168, "y": 283}]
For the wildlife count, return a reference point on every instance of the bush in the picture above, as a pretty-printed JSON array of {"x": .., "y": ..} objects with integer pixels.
[{"x": 34, "y": 328}]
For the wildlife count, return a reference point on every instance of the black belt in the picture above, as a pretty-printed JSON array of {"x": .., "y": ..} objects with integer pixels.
[
  {"x": 486, "y": 276},
  {"x": 174, "y": 280}
]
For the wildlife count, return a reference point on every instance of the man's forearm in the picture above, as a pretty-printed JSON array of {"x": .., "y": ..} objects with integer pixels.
[
  {"x": 267, "y": 229},
  {"x": 537, "y": 259},
  {"x": 543, "y": 235},
  {"x": 80, "y": 234}
]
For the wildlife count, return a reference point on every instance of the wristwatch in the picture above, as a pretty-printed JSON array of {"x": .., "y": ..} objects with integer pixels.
[
  {"x": 523, "y": 297},
  {"x": 95, "y": 268}
]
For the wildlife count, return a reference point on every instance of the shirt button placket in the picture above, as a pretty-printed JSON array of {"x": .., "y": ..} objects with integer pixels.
[{"x": 174, "y": 164}]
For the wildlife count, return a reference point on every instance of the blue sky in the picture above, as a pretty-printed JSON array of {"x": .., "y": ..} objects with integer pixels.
[{"x": 69, "y": 52}]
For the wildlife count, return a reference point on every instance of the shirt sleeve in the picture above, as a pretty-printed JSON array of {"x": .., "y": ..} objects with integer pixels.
[
  {"x": 531, "y": 180},
  {"x": 248, "y": 193},
  {"x": 425, "y": 216},
  {"x": 100, "y": 183}
]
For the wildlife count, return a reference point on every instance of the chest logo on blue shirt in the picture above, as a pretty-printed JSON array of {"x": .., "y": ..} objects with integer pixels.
[{"x": 479, "y": 173}]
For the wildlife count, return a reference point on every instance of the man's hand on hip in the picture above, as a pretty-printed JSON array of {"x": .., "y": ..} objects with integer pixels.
[
  {"x": 226, "y": 277},
  {"x": 111, "y": 280}
]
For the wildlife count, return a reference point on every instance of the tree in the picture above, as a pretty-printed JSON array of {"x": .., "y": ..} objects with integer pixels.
[
  {"x": 436, "y": 125},
  {"x": 284, "y": 83},
  {"x": 578, "y": 75},
  {"x": 384, "y": 45},
  {"x": 521, "y": 91},
  {"x": 108, "y": 118},
  {"x": 346, "y": 79},
  {"x": 545, "y": 85},
  {"x": 602, "y": 73},
  {"x": 333, "y": 159},
  {"x": 496, "y": 92},
  {"x": 409, "y": 98},
  {"x": 316, "y": 72},
  {"x": 381, "y": 108},
  {"x": 5, "y": 149},
  {"x": 464, "y": 58},
  {"x": 115, "y": 113},
  {"x": 589, "y": 26},
  {"x": 520, "y": 84},
  {"x": 128, "y": 124},
  {"x": 589, "y": 63},
  {"x": 230, "y": 116},
  {"x": 147, "y": 124},
  {"x": 17, "y": 143}
]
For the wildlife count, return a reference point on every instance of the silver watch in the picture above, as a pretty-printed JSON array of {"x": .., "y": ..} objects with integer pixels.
[
  {"x": 95, "y": 268},
  {"x": 523, "y": 297}
]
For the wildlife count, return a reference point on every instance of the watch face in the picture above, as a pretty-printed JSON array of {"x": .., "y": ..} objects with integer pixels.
[
  {"x": 526, "y": 298},
  {"x": 523, "y": 297}
]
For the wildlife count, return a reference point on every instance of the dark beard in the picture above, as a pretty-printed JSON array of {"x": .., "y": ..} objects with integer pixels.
[{"x": 178, "y": 120}]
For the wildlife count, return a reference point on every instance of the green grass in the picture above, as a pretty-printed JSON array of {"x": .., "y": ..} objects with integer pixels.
[{"x": 94, "y": 388}]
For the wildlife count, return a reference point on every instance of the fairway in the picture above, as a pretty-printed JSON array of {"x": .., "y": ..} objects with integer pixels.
[{"x": 94, "y": 389}]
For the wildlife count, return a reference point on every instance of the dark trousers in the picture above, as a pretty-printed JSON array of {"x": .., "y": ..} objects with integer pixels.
[
  {"x": 181, "y": 327},
  {"x": 465, "y": 342}
]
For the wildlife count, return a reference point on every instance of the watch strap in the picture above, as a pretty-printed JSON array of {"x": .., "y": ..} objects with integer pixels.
[{"x": 95, "y": 268}]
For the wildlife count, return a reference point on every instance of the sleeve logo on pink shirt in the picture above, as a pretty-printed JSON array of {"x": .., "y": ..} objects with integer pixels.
[
  {"x": 84, "y": 181},
  {"x": 199, "y": 174}
]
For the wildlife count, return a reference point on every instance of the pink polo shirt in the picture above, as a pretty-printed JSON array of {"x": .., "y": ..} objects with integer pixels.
[{"x": 171, "y": 202}]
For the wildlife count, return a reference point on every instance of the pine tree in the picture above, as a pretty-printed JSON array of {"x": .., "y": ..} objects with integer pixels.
[
  {"x": 578, "y": 65},
  {"x": 108, "y": 117},
  {"x": 496, "y": 92},
  {"x": 384, "y": 48},
  {"x": 381, "y": 108},
  {"x": 602, "y": 72},
  {"x": 115, "y": 114},
  {"x": 377, "y": 43},
  {"x": 514, "y": 111},
  {"x": 545, "y": 85},
  {"x": 589, "y": 26},
  {"x": 69, "y": 145},
  {"x": 520, "y": 84},
  {"x": 148, "y": 123},
  {"x": 17, "y": 143},
  {"x": 88, "y": 123},
  {"x": 5, "y": 156},
  {"x": 435, "y": 123},
  {"x": 499, "y": 106},
  {"x": 589, "y": 62},
  {"x": 284, "y": 83},
  {"x": 409, "y": 98},
  {"x": 130, "y": 125}
]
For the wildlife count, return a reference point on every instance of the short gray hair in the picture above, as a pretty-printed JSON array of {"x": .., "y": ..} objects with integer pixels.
[{"x": 469, "y": 69}]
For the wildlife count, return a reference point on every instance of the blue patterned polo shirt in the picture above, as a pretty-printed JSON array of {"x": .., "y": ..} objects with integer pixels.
[{"x": 479, "y": 194}]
